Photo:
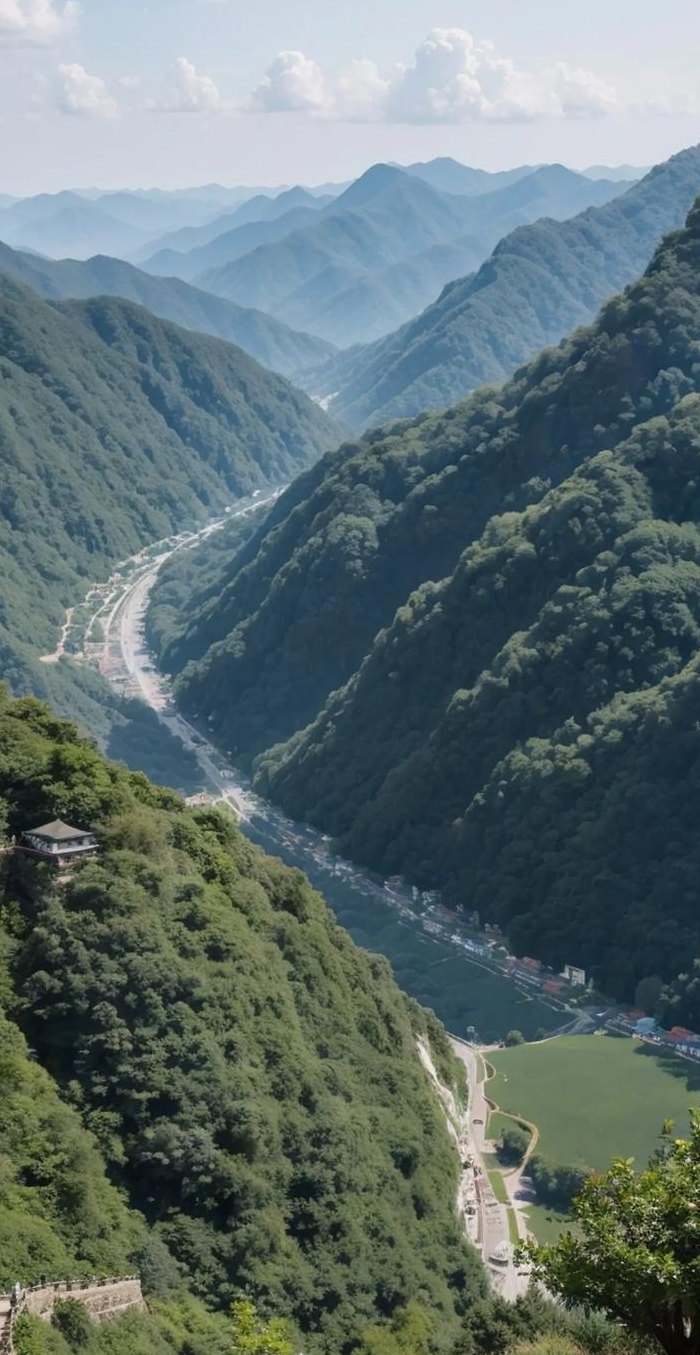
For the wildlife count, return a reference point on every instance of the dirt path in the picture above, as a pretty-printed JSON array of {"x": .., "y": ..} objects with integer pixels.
[
  {"x": 513, "y": 1179},
  {"x": 60, "y": 649}
]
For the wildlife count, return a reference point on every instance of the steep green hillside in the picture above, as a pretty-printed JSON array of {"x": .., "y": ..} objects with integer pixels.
[
  {"x": 191, "y": 579},
  {"x": 539, "y": 283},
  {"x": 262, "y": 336},
  {"x": 116, "y": 428},
  {"x": 503, "y": 736},
  {"x": 251, "y": 1078},
  {"x": 60, "y": 1216}
]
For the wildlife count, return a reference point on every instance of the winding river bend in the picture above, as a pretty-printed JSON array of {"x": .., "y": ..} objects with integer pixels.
[{"x": 425, "y": 945}]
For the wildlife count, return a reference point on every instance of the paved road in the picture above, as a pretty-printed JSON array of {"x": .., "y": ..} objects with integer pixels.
[
  {"x": 493, "y": 1232},
  {"x": 123, "y": 629}
]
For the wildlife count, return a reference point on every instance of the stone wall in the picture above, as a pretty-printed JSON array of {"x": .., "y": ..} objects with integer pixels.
[{"x": 103, "y": 1299}]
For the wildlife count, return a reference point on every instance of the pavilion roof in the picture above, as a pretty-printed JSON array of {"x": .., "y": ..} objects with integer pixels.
[{"x": 58, "y": 831}]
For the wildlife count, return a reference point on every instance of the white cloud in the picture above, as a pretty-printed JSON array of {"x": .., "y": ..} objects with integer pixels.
[
  {"x": 361, "y": 91},
  {"x": 453, "y": 78},
  {"x": 29, "y": 23},
  {"x": 456, "y": 78},
  {"x": 191, "y": 92},
  {"x": 293, "y": 83},
  {"x": 85, "y": 94}
]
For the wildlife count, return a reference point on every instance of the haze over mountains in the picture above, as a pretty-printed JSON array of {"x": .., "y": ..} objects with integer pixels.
[
  {"x": 348, "y": 260},
  {"x": 254, "y": 211},
  {"x": 539, "y": 283},
  {"x": 77, "y": 224},
  {"x": 377, "y": 253}
]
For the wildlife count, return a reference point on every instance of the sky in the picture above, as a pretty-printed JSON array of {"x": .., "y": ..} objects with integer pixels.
[{"x": 127, "y": 93}]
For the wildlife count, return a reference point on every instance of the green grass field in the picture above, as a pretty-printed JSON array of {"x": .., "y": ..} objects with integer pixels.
[
  {"x": 595, "y": 1097},
  {"x": 498, "y": 1186},
  {"x": 548, "y": 1226}
]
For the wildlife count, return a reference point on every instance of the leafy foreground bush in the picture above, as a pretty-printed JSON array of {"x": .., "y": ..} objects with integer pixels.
[{"x": 638, "y": 1253}]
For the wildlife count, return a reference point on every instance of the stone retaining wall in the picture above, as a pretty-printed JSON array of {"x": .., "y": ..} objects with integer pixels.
[{"x": 103, "y": 1299}]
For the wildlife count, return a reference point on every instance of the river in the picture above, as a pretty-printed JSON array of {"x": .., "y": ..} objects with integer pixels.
[{"x": 425, "y": 945}]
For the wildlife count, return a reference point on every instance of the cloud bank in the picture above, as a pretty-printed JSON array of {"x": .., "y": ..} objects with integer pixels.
[
  {"x": 453, "y": 78},
  {"x": 36, "y": 23},
  {"x": 192, "y": 92}
]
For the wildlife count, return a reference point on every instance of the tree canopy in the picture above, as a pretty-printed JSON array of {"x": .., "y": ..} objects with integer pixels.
[
  {"x": 248, "y": 1077},
  {"x": 636, "y": 1253}
]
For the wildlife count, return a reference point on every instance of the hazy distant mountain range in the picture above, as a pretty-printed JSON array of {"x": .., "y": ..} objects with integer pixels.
[
  {"x": 379, "y": 252},
  {"x": 255, "y": 210},
  {"x": 344, "y": 263},
  {"x": 539, "y": 283}
]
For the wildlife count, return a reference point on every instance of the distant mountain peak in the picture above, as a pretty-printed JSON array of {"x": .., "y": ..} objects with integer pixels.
[{"x": 375, "y": 180}]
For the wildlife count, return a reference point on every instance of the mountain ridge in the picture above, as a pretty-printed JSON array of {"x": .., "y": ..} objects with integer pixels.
[
  {"x": 517, "y": 578},
  {"x": 385, "y": 219},
  {"x": 264, "y": 338},
  {"x": 538, "y": 284}
]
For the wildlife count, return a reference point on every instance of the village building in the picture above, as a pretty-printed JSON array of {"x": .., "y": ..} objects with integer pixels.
[
  {"x": 575, "y": 976},
  {"x": 58, "y": 843}
]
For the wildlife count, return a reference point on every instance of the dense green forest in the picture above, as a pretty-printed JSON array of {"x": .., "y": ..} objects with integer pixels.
[
  {"x": 190, "y": 579},
  {"x": 262, "y": 336},
  {"x": 249, "y": 1076},
  {"x": 519, "y": 732},
  {"x": 115, "y": 429},
  {"x": 540, "y": 282}
]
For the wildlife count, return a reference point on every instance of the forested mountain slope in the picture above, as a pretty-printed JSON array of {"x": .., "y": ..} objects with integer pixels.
[
  {"x": 116, "y": 428},
  {"x": 539, "y": 283},
  {"x": 61, "y": 1216},
  {"x": 502, "y": 737},
  {"x": 380, "y": 251},
  {"x": 267, "y": 340},
  {"x": 251, "y": 1078}
]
